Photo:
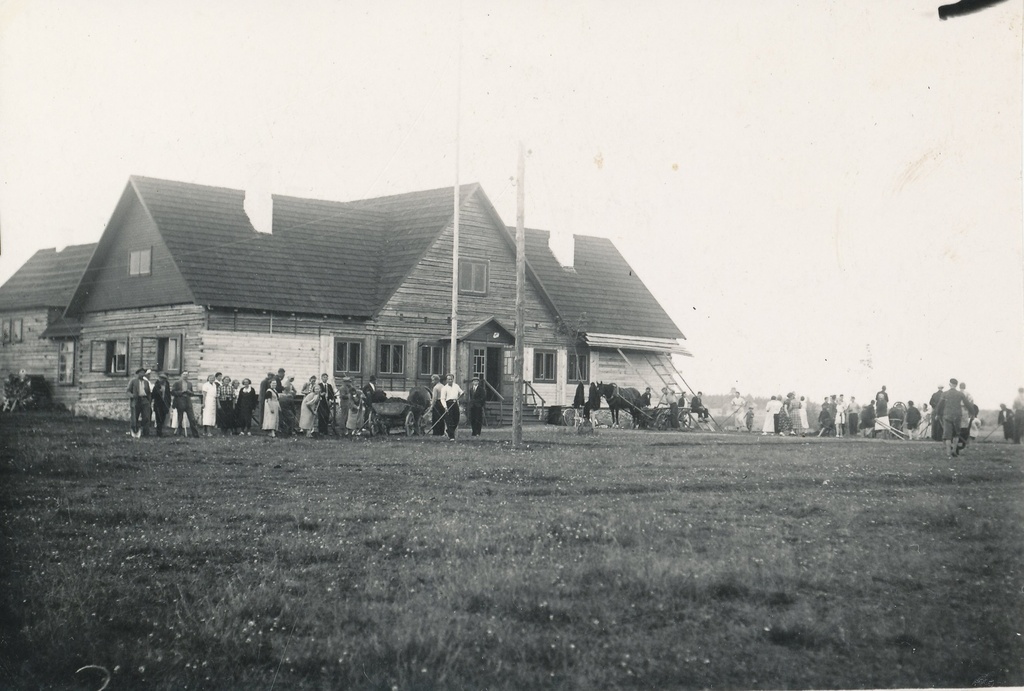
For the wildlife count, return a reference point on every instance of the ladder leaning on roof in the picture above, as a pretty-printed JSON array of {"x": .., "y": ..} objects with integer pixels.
[{"x": 672, "y": 378}]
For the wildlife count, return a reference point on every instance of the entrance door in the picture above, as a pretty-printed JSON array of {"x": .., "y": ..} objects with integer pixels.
[
  {"x": 495, "y": 360},
  {"x": 486, "y": 363}
]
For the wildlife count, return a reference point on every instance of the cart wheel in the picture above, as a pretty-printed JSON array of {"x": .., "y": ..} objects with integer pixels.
[
  {"x": 410, "y": 424},
  {"x": 661, "y": 422}
]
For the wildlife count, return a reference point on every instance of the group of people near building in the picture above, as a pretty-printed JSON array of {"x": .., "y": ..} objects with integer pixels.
[{"x": 276, "y": 406}]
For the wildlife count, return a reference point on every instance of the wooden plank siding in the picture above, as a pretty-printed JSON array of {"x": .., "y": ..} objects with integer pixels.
[
  {"x": 420, "y": 307},
  {"x": 106, "y": 280},
  {"x": 34, "y": 354},
  {"x": 609, "y": 366},
  {"x": 103, "y": 395}
]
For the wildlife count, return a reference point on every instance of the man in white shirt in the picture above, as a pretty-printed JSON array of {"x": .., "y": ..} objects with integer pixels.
[
  {"x": 669, "y": 398},
  {"x": 436, "y": 407},
  {"x": 841, "y": 416},
  {"x": 739, "y": 405},
  {"x": 450, "y": 394}
]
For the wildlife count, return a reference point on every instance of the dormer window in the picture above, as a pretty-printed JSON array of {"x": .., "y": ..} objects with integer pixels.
[{"x": 140, "y": 262}]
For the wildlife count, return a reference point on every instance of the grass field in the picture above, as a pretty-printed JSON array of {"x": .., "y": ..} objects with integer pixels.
[{"x": 626, "y": 559}]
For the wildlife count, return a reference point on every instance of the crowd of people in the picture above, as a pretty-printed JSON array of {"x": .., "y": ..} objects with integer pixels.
[
  {"x": 950, "y": 416},
  {"x": 277, "y": 407}
]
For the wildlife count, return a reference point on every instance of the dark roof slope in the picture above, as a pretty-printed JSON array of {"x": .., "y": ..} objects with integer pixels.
[
  {"x": 322, "y": 257},
  {"x": 601, "y": 286},
  {"x": 372, "y": 243},
  {"x": 348, "y": 258},
  {"x": 47, "y": 279}
]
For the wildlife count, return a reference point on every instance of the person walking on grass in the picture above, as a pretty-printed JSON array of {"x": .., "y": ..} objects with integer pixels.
[
  {"x": 436, "y": 406},
  {"x": 738, "y": 404},
  {"x": 1005, "y": 421},
  {"x": 450, "y": 395},
  {"x": 951, "y": 407},
  {"x": 771, "y": 411},
  {"x": 934, "y": 402}
]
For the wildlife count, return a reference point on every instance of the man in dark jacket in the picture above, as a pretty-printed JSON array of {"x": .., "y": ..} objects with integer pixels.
[
  {"x": 140, "y": 393},
  {"x": 477, "y": 401},
  {"x": 181, "y": 394},
  {"x": 912, "y": 419},
  {"x": 933, "y": 403},
  {"x": 161, "y": 402}
]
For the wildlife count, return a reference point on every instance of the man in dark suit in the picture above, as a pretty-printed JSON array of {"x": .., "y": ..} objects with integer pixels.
[
  {"x": 161, "y": 402},
  {"x": 477, "y": 400},
  {"x": 140, "y": 393},
  {"x": 934, "y": 402},
  {"x": 328, "y": 404}
]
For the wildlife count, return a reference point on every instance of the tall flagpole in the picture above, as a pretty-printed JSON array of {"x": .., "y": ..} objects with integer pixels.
[
  {"x": 452, "y": 351},
  {"x": 517, "y": 399}
]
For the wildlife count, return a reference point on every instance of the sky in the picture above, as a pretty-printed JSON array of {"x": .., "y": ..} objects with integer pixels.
[{"x": 826, "y": 197}]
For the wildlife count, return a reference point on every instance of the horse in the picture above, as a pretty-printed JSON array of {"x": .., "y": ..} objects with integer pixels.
[
  {"x": 620, "y": 398},
  {"x": 419, "y": 400}
]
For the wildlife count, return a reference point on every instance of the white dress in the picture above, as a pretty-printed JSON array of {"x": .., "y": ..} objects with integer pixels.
[
  {"x": 271, "y": 411},
  {"x": 770, "y": 411},
  {"x": 209, "y": 404}
]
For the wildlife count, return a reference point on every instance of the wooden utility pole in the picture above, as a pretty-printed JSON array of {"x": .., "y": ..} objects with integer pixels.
[
  {"x": 453, "y": 360},
  {"x": 517, "y": 400}
]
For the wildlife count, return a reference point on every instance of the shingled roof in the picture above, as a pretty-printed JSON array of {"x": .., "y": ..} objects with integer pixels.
[
  {"x": 348, "y": 258},
  {"x": 322, "y": 257},
  {"x": 47, "y": 279},
  {"x": 600, "y": 292}
]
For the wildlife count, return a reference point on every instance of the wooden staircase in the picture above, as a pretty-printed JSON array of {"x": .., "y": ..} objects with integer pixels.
[{"x": 498, "y": 412}]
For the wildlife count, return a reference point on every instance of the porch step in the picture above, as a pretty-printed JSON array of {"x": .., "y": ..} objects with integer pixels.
[{"x": 499, "y": 414}]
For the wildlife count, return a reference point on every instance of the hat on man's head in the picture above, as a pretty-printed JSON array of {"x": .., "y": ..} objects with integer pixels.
[
  {"x": 140, "y": 370},
  {"x": 346, "y": 378},
  {"x": 475, "y": 378}
]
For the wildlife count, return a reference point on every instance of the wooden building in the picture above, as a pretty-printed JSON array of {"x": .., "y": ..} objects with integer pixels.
[
  {"x": 182, "y": 280},
  {"x": 35, "y": 335}
]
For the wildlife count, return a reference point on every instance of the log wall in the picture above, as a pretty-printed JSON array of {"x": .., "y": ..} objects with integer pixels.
[
  {"x": 34, "y": 354},
  {"x": 103, "y": 395}
]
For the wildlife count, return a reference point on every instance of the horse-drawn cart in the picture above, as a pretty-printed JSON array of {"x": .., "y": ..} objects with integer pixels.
[{"x": 397, "y": 414}]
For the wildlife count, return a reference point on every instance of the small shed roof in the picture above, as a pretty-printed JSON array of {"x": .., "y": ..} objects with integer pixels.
[{"x": 47, "y": 279}]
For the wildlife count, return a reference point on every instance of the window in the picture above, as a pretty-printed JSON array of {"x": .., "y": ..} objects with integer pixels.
[
  {"x": 66, "y": 362},
  {"x": 110, "y": 357},
  {"x": 432, "y": 359},
  {"x": 479, "y": 363},
  {"x": 162, "y": 353},
  {"x": 348, "y": 356},
  {"x": 579, "y": 366},
  {"x": 472, "y": 277},
  {"x": 12, "y": 330},
  {"x": 543, "y": 365},
  {"x": 392, "y": 358},
  {"x": 140, "y": 262}
]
